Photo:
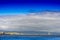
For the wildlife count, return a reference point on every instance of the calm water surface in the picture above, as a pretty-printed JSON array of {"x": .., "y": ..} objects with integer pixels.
[{"x": 28, "y": 38}]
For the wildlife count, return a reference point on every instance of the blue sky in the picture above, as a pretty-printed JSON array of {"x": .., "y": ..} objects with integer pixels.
[{"x": 24, "y": 6}]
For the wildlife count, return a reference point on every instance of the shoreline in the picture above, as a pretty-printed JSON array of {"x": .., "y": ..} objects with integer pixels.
[{"x": 34, "y": 35}]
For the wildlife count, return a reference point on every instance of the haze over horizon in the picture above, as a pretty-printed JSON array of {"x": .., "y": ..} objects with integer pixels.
[{"x": 47, "y": 21}]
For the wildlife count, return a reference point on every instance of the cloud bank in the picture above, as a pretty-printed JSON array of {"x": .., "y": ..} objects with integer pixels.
[{"x": 43, "y": 21}]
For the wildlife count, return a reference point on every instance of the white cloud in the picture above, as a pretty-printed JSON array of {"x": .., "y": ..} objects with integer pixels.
[{"x": 45, "y": 21}]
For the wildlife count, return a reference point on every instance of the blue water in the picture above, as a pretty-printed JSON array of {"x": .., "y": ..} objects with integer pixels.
[{"x": 28, "y": 38}]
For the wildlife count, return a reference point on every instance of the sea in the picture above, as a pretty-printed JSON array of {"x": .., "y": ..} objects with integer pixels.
[{"x": 14, "y": 37}]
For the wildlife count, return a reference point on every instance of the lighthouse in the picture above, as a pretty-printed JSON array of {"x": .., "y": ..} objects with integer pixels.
[{"x": 49, "y": 33}]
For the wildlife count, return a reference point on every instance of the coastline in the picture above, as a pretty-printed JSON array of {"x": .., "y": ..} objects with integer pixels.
[{"x": 34, "y": 35}]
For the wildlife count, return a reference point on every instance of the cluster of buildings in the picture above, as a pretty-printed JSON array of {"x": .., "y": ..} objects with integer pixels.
[
  {"x": 27, "y": 33},
  {"x": 22, "y": 33},
  {"x": 10, "y": 33}
]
